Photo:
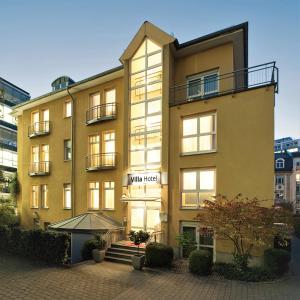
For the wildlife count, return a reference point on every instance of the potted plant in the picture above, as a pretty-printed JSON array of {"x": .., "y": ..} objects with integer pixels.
[
  {"x": 99, "y": 251},
  {"x": 138, "y": 237}
]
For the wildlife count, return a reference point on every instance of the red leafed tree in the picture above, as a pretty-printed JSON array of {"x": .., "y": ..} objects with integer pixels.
[{"x": 245, "y": 222}]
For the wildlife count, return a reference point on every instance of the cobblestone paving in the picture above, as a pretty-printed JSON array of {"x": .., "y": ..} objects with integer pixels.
[{"x": 20, "y": 279}]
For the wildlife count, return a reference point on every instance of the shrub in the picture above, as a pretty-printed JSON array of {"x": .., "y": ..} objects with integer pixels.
[
  {"x": 277, "y": 260},
  {"x": 88, "y": 247},
  {"x": 232, "y": 272},
  {"x": 200, "y": 262},
  {"x": 159, "y": 255},
  {"x": 297, "y": 225},
  {"x": 8, "y": 216},
  {"x": 47, "y": 246}
]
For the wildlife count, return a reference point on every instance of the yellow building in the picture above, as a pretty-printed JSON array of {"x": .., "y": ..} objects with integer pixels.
[{"x": 145, "y": 143}]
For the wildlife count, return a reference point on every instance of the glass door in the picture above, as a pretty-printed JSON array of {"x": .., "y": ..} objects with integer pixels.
[{"x": 35, "y": 119}]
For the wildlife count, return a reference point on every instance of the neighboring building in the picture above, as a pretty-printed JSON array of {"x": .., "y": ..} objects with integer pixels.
[
  {"x": 287, "y": 144},
  {"x": 145, "y": 143},
  {"x": 287, "y": 179},
  {"x": 10, "y": 95}
]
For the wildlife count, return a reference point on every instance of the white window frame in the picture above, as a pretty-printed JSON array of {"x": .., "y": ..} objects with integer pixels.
[
  {"x": 197, "y": 190},
  {"x": 89, "y": 195},
  {"x": 67, "y": 113},
  {"x": 67, "y": 187},
  {"x": 110, "y": 188},
  {"x": 37, "y": 196},
  {"x": 198, "y": 134},
  {"x": 279, "y": 180},
  {"x": 201, "y": 77},
  {"x": 279, "y": 164},
  {"x": 66, "y": 150},
  {"x": 44, "y": 196}
]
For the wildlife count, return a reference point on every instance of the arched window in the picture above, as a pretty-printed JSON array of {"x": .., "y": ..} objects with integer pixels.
[{"x": 279, "y": 163}]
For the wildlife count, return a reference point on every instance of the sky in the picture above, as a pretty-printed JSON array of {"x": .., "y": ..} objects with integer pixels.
[{"x": 42, "y": 40}]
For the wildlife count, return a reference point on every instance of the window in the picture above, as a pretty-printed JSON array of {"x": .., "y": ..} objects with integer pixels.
[
  {"x": 109, "y": 194},
  {"x": 67, "y": 150},
  {"x": 94, "y": 99},
  {"x": 44, "y": 196},
  {"x": 93, "y": 195},
  {"x": 35, "y": 196},
  {"x": 279, "y": 180},
  {"x": 110, "y": 100},
  {"x": 68, "y": 109},
  {"x": 298, "y": 177},
  {"x": 202, "y": 84},
  {"x": 197, "y": 186},
  {"x": 109, "y": 148},
  {"x": 279, "y": 163},
  {"x": 67, "y": 196},
  {"x": 199, "y": 134}
]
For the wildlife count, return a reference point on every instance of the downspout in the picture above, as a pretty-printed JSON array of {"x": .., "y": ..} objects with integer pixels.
[{"x": 72, "y": 152}]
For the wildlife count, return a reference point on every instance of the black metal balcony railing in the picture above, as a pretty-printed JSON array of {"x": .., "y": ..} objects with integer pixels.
[
  {"x": 39, "y": 168},
  {"x": 39, "y": 128},
  {"x": 237, "y": 81},
  {"x": 101, "y": 161},
  {"x": 102, "y": 112}
]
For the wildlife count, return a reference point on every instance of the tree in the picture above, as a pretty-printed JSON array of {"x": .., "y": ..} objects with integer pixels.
[
  {"x": 14, "y": 186},
  {"x": 245, "y": 222}
]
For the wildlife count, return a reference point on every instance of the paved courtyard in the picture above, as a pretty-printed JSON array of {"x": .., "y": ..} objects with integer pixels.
[{"x": 20, "y": 279}]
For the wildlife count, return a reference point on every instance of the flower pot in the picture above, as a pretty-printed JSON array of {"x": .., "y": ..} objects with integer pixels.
[
  {"x": 138, "y": 261},
  {"x": 98, "y": 255}
]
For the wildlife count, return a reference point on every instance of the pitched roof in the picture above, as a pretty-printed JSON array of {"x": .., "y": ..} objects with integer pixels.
[{"x": 88, "y": 222}]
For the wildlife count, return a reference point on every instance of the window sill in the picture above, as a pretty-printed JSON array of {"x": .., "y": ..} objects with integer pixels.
[
  {"x": 66, "y": 160},
  {"x": 67, "y": 208},
  {"x": 197, "y": 153},
  {"x": 109, "y": 209},
  {"x": 44, "y": 208},
  {"x": 93, "y": 209},
  {"x": 34, "y": 207},
  {"x": 191, "y": 208}
]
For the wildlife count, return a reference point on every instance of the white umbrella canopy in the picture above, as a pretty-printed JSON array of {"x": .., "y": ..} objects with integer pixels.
[{"x": 87, "y": 223}]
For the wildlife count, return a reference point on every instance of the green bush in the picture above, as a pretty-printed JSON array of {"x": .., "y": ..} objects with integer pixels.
[
  {"x": 297, "y": 225},
  {"x": 89, "y": 246},
  {"x": 232, "y": 272},
  {"x": 277, "y": 260},
  {"x": 47, "y": 246},
  {"x": 8, "y": 216},
  {"x": 200, "y": 262},
  {"x": 159, "y": 255}
]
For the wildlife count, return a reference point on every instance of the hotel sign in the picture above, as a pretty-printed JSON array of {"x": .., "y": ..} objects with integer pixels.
[{"x": 144, "y": 178}]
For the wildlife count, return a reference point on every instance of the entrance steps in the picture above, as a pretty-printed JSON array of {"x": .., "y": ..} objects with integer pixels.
[{"x": 122, "y": 253}]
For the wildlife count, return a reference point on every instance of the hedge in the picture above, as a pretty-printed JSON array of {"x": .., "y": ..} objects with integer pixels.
[
  {"x": 47, "y": 246},
  {"x": 200, "y": 262},
  {"x": 159, "y": 255},
  {"x": 277, "y": 261}
]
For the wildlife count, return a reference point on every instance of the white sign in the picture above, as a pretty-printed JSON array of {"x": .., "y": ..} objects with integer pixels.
[{"x": 144, "y": 178}]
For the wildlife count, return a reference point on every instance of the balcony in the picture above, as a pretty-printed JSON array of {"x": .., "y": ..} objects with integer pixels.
[
  {"x": 100, "y": 161},
  {"x": 39, "y": 129},
  {"x": 102, "y": 112},
  {"x": 41, "y": 168},
  {"x": 228, "y": 83}
]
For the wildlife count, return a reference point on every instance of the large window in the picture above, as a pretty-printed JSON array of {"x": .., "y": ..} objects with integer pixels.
[
  {"x": 197, "y": 185},
  {"x": 44, "y": 196},
  {"x": 110, "y": 100},
  {"x": 67, "y": 150},
  {"x": 35, "y": 196},
  {"x": 199, "y": 134},
  {"x": 93, "y": 195},
  {"x": 146, "y": 103},
  {"x": 109, "y": 194},
  {"x": 67, "y": 196},
  {"x": 202, "y": 84}
]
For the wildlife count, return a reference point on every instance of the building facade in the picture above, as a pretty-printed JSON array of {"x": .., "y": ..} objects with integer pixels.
[
  {"x": 10, "y": 95},
  {"x": 287, "y": 144},
  {"x": 287, "y": 179},
  {"x": 145, "y": 143}
]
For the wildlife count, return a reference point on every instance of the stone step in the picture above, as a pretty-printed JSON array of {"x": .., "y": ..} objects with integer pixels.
[
  {"x": 124, "y": 251},
  {"x": 127, "y": 247},
  {"x": 118, "y": 254},
  {"x": 118, "y": 260}
]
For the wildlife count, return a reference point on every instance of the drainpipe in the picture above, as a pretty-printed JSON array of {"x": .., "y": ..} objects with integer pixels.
[{"x": 72, "y": 152}]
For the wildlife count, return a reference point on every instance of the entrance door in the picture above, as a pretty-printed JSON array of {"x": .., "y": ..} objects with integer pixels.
[{"x": 145, "y": 218}]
